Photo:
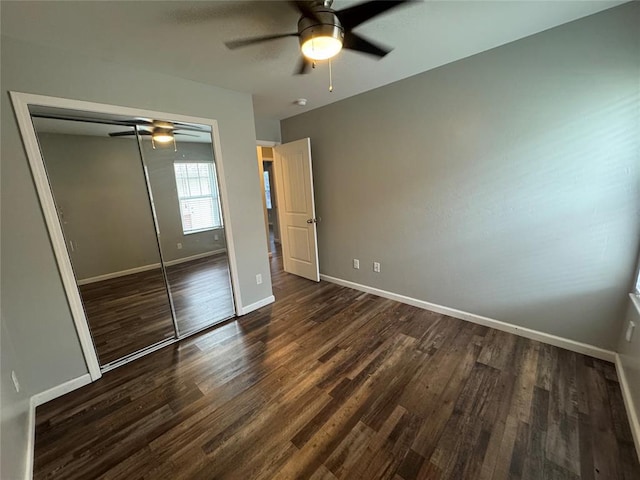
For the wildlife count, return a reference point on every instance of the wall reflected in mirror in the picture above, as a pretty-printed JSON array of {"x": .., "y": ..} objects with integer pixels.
[
  {"x": 185, "y": 188},
  {"x": 99, "y": 190},
  {"x": 143, "y": 227}
]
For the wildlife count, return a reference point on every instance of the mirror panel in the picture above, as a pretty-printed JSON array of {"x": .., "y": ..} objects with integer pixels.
[
  {"x": 185, "y": 191},
  {"x": 100, "y": 192}
]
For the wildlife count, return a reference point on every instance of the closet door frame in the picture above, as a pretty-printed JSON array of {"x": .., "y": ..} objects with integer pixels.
[{"x": 21, "y": 103}]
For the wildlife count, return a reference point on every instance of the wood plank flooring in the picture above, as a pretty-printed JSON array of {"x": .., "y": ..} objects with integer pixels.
[
  {"x": 126, "y": 314},
  {"x": 330, "y": 383},
  {"x": 129, "y": 313},
  {"x": 201, "y": 292}
]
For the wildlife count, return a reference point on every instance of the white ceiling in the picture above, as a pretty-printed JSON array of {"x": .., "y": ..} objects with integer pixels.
[{"x": 185, "y": 39}]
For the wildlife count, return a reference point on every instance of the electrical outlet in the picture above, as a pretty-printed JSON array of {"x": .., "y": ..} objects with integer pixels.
[
  {"x": 216, "y": 236},
  {"x": 259, "y": 279},
  {"x": 356, "y": 263},
  {"x": 630, "y": 328},
  {"x": 179, "y": 246},
  {"x": 16, "y": 384},
  {"x": 376, "y": 267}
]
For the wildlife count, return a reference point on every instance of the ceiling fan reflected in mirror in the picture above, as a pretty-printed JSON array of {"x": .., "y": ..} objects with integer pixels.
[
  {"x": 160, "y": 132},
  {"x": 323, "y": 32}
]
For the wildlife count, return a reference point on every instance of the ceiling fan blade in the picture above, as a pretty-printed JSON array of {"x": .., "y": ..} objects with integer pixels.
[
  {"x": 185, "y": 134},
  {"x": 304, "y": 65},
  {"x": 70, "y": 118},
  {"x": 250, "y": 41},
  {"x": 351, "y": 17},
  {"x": 305, "y": 9},
  {"x": 128, "y": 133},
  {"x": 189, "y": 126},
  {"x": 355, "y": 42}
]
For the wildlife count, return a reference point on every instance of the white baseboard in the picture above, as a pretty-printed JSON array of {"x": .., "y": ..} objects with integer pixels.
[
  {"x": 40, "y": 399},
  {"x": 561, "y": 342},
  {"x": 254, "y": 306},
  {"x": 121, "y": 273},
  {"x": 145, "y": 268},
  {"x": 59, "y": 390},
  {"x": 194, "y": 257},
  {"x": 629, "y": 404}
]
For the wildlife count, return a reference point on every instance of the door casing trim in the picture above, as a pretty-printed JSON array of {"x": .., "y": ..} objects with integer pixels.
[{"x": 21, "y": 102}]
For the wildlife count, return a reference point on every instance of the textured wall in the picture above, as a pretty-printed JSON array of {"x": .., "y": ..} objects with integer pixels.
[
  {"x": 268, "y": 129},
  {"x": 99, "y": 188},
  {"x": 14, "y": 414},
  {"x": 34, "y": 306},
  {"x": 506, "y": 184},
  {"x": 165, "y": 196}
]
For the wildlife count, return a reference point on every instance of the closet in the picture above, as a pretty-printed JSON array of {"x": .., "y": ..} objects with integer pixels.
[{"x": 139, "y": 205}]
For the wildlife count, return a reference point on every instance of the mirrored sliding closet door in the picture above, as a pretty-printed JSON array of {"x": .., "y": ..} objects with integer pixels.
[
  {"x": 138, "y": 203},
  {"x": 183, "y": 180}
]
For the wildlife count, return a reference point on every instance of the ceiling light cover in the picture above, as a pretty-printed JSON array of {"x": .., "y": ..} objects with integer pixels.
[
  {"x": 163, "y": 137},
  {"x": 321, "y": 48},
  {"x": 321, "y": 42}
]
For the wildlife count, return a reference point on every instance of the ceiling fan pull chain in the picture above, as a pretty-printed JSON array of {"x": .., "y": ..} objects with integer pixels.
[{"x": 330, "y": 77}]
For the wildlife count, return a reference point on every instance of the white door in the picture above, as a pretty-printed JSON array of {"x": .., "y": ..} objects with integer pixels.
[{"x": 296, "y": 208}]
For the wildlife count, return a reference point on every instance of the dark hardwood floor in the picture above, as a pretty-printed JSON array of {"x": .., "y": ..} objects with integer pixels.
[
  {"x": 129, "y": 313},
  {"x": 201, "y": 291},
  {"x": 332, "y": 383},
  {"x": 126, "y": 314}
]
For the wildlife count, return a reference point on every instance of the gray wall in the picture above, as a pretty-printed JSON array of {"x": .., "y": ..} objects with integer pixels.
[
  {"x": 267, "y": 129},
  {"x": 99, "y": 188},
  {"x": 14, "y": 414},
  {"x": 165, "y": 196},
  {"x": 34, "y": 308},
  {"x": 505, "y": 184}
]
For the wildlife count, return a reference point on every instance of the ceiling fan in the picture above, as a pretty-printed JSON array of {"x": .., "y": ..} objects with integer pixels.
[
  {"x": 323, "y": 32},
  {"x": 161, "y": 132}
]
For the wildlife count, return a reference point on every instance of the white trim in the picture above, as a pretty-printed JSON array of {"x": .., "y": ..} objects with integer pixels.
[
  {"x": 21, "y": 102},
  {"x": 259, "y": 304},
  {"x": 144, "y": 268},
  {"x": 139, "y": 354},
  {"x": 197, "y": 256},
  {"x": 60, "y": 390},
  {"x": 629, "y": 404},
  {"x": 121, "y": 273},
  {"x": 561, "y": 342},
  {"x": 40, "y": 399},
  {"x": 31, "y": 440},
  {"x": 635, "y": 299},
  {"x": 223, "y": 198}
]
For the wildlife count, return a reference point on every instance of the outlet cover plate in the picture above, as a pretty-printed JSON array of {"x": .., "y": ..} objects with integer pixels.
[{"x": 630, "y": 328}]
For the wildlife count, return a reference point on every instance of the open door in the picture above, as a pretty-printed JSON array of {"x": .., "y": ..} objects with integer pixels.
[{"x": 297, "y": 211}]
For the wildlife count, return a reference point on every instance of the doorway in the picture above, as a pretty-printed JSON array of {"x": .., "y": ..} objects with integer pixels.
[
  {"x": 286, "y": 171},
  {"x": 269, "y": 199}
]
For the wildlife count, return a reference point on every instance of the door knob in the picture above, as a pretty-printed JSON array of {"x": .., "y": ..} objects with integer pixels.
[{"x": 314, "y": 220}]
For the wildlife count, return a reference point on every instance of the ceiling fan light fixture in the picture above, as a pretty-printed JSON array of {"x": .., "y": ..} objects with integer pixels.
[
  {"x": 321, "y": 48},
  {"x": 162, "y": 136},
  {"x": 321, "y": 42}
]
